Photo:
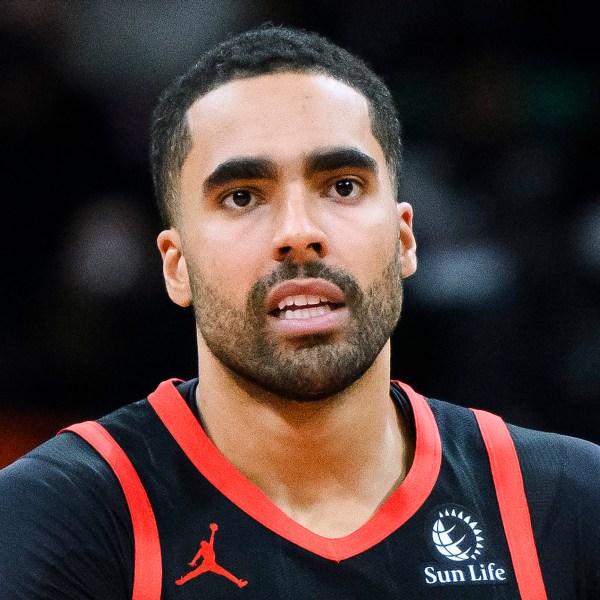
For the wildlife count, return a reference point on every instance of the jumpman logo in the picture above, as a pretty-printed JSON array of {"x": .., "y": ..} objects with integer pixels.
[{"x": 209, "y": 564}]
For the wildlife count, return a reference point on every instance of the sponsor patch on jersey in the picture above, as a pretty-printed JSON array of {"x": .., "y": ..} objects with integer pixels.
[{"x": 457, "y": 541}]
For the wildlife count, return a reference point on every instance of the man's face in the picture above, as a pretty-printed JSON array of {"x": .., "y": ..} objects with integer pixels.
[{"x": 291, "y": 242}]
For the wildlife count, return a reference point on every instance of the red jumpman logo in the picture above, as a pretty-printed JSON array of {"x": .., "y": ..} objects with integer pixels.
[{"x": 208, "y": 564}]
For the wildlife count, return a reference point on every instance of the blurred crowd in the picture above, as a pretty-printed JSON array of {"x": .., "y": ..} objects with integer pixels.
[{"x": 500, "y": 108}]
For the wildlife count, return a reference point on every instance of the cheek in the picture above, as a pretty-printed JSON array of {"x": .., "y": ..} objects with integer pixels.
[
  {"x": 227, "y": 262},
  {"x": 367, "y": 244}
]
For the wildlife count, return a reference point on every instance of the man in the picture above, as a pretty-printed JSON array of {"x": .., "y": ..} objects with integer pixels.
[{"x": 276, "y": 160}]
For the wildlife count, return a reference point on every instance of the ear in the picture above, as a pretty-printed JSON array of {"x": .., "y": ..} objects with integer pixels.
[
  {"x": 408, "y": 244},
  {"x": 174, "y": 267}
]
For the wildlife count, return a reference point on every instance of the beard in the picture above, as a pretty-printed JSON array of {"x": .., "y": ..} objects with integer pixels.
[{"x": 318, "y": 365}]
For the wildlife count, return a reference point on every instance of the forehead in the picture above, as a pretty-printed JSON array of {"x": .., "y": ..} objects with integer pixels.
[{"x": 283, "y": 116}]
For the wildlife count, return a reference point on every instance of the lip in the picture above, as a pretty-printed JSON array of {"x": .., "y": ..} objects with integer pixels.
[
  {"x": 321, "y": 324},
  {"x": 308, "y": 287}
]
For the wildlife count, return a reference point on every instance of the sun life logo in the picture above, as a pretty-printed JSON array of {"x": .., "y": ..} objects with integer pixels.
[{"x": 456, "y": 535}]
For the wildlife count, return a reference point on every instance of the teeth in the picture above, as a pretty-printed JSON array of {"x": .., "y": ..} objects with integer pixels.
[
  {"x": 305, "y": 313},
  {"x": 301, "y": 300}
]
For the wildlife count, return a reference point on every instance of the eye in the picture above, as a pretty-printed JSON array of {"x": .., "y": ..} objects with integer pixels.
[
  {"x": 345, "y": 188},
  {"x": 239, "y": 199}
]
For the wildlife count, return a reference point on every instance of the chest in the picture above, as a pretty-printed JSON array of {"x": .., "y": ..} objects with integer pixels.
[
  {"x": 453, "y": 546},
  {"x": 440, "y": 535}
]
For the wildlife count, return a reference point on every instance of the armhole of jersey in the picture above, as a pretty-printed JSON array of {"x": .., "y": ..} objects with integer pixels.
[
  {"x": 147, "y": 576},
  {"x": 512, "y": 501}
]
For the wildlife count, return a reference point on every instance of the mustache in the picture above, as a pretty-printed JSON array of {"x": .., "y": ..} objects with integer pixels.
[{"x": 286, "y": 271}]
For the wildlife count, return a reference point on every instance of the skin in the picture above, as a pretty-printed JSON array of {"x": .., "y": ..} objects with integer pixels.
[{"x": 330, "y": 456}]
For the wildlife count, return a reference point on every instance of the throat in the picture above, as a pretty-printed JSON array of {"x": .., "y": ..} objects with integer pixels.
[
  {"x": 329, "y": 465},
  {"x": 334, "y": 493}
]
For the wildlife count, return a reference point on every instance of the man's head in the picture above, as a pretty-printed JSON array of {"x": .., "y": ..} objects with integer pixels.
[
  {"x": 259, "y": 52},
  {"x": 287, "y": 237}
]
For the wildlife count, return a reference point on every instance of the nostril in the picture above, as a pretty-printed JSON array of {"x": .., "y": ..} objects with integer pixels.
[
  {"x": 317, "y": 247},
  {"x": 300, "y": 252}
]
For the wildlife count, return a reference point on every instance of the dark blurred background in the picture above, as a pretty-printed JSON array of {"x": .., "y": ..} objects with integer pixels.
[{"x": 500, "y": 106}]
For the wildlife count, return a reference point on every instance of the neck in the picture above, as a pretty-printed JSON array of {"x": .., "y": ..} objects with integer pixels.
[{"x": 328, "y": 464}]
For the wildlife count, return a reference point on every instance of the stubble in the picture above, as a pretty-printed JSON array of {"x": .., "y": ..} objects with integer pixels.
[{"x": 317, "y": 366}]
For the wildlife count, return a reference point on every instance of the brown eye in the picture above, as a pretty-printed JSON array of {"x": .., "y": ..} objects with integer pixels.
[
  {"x": 241, "y": 198},
  {"x": 346, "y": 190},
  {"x": 344, "y": 187}
]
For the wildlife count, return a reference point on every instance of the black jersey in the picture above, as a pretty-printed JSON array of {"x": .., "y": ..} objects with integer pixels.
[{"x": 67, "y": 527}]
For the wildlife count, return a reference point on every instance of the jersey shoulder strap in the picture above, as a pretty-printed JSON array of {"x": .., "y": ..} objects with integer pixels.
[
  {"x": 508, "y": 481},
  {"x": 147, "y": 577}
]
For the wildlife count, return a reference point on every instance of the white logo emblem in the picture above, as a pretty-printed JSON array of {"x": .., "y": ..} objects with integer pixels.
[{"x": 456, "y": 536}]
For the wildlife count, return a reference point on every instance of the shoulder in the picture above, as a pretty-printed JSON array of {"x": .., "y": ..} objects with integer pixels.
[
  {"x": 567, "y": 449},
  {"x": 62, "y": 463},
  {"x": 65, "y": 524},
  {"x": 561, "y": 477},
  {"x": 68, "y": 461},
  {"x": 557, "y": 464},
  {"x": 542, "y": 455},
  {"x": 550, "y": 463},
  {"x": 64, "y": 479}
]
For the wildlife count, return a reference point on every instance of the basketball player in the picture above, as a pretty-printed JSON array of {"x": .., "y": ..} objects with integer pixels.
[{"x": 276, "y": 160}]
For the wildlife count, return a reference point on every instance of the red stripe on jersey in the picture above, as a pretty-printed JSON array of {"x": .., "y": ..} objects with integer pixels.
[
  {"x": 147, "y": 580},
  {"x": 512, "y": 501},
  {"x": 395, "y": 511}
]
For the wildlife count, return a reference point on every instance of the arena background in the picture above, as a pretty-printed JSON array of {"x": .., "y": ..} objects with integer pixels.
[{"x": 500, "y": 107}]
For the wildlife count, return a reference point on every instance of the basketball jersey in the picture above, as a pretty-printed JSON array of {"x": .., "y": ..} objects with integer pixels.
[{"x": 457, "y": 527}]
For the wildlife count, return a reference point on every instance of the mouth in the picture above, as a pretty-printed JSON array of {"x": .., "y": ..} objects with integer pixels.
[
  {"x": 304, "y": 307},
  {"x": 301, "y": 307}
]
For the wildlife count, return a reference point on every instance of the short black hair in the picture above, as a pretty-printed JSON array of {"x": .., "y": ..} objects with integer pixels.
[{"x": 267, "y": 49}]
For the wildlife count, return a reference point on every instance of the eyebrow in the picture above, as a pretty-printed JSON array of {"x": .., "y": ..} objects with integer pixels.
[
  {"x": 240, "y": 168},
  {"x": 339, "y": 158},
  {"x": 236, "y": 169}
]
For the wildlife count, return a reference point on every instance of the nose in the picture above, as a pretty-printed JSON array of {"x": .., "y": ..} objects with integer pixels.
[{"x": 298, "y": 236}]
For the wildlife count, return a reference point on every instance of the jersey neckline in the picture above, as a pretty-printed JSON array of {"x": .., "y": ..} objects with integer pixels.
[{"x": 400, "y": 506}]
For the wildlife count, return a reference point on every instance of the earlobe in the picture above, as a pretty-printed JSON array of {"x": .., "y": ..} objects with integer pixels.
[
  {"x": 174, "y": 267},
  {"x": 408, "y": 243}
]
